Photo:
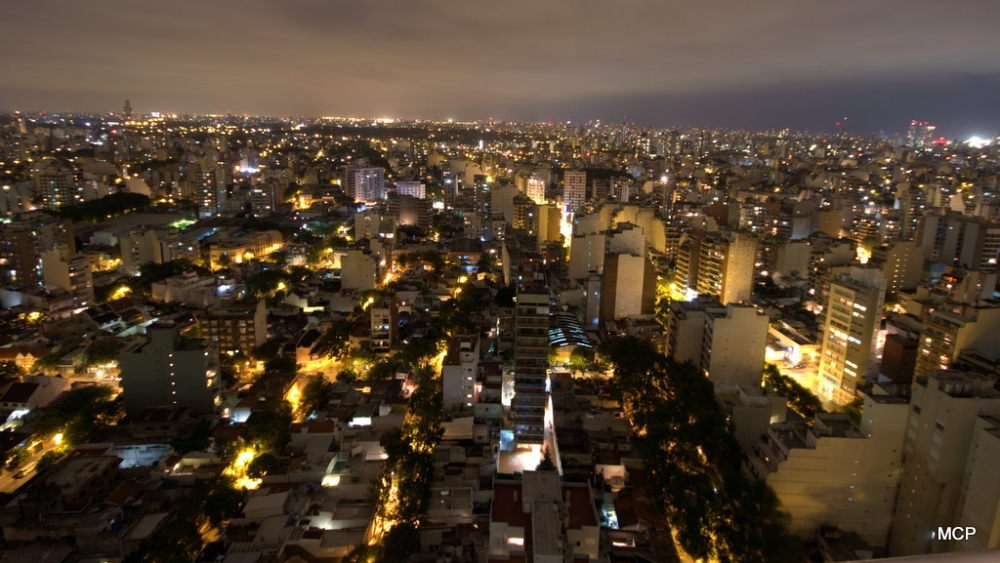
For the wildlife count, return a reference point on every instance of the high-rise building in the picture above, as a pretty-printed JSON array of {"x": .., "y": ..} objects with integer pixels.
[
  {"x": 23, "y": 240},
  {"x": 235, "y": 328},
  {"x": 734, "y": 345},
  {"x": 628, "y": 286},
  {"x": 536, "y": 188},
  {"x": 836, "y": 473},
  {"x": 853, "y": 311},
  {"x": 57, "y": 189},
  {"x": 717, "y": 264},
  {"x": 574, "y": 190},
  {"x": 915, "y": 202},
  {"x": 358, "y": 270},
  {"x": 920, "y": 134},
  {"x": 945, "y": 334},
  {"x": 902, "y": 264},
  {"x": 18, "y": 257},
  {"x": 937, "y": 486},
  {"x": 531, "y": 362},
  {"x": 63, "y": 269},
  {"x": 266, "y": 197},
  {"x": 209, "y": 188},
  {"x": 409, "y": 210},
  {"x": 167, "y": 370},
  {"x": 954, "y": 239},
  {"x": 364, "y": 184},
  {"x": 139, "y": 247},
  {"x": 586, "y": 255},
  {"x": 413, "y": 189},
  {"x": 727, "y": 343}
]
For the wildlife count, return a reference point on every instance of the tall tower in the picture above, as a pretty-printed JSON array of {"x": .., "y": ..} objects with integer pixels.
[
  {"x": 531, "y": 360},
  {"x": 126, "y": 121}
]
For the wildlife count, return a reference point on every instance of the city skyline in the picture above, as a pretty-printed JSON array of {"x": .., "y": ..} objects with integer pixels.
[{"x": 771, "y": 65}]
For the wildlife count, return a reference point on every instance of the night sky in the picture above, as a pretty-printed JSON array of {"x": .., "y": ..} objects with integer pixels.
[{"x": 734, "y": 63}]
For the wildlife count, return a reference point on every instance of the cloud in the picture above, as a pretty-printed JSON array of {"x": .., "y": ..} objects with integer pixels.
[{"x": 439, "y": 57}]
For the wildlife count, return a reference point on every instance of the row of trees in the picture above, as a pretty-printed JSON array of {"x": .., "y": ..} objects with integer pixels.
[
  {"x": 101, "y": 209},
  {"x": 694, "y": 461},
  {"x": 402, "y": 489}
]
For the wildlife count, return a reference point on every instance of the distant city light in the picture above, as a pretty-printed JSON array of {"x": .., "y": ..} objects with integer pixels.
[{"x": 978, "y": 142}]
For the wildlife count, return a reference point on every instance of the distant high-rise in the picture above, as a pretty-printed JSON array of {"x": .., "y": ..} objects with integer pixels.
[
  {"x": 364, "y": 184},
  {"x": 954, "y": 239},
  {"x": 209, "y": 186},
  {"x": 574, "y": 190},
  {"x": 139, "y": 247},
  {"x": 536, "y": 189},
  {"x": 920, "y": 134},
  {"x": 266, "y": 197},
  {"x": 414, "y": 189},
  {"x": 57, "y": 189},
  {"x": 64, "y": 269}
]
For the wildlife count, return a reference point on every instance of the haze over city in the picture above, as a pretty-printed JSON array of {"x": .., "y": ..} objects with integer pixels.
[{"x": 773, "y": 64}]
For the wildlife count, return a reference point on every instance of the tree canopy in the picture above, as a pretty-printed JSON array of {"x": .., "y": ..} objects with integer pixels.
[{"x": 694, "y": 460}]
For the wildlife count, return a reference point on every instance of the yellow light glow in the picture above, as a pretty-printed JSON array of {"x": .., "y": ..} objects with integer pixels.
[
  {"x": 566, "y": 229},
  {"x": 58, "y": 438},
  {"x": 463, "y": 279}
]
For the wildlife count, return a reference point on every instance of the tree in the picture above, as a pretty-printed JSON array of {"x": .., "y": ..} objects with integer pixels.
[
  {"x": 336, "y": 341},
  {"x": 854, "y": 409},
  {"x": 10, "y": 369},
  {"x": 546, "y": 464},
  {"x": 347, "y": 375},
  {"x": 694, "y": 461},
  {"x": 800, "y": 399},
  {"x": 266, "y": 351},
  {"x": 505, "y": 296},
  {"x": 47, "y": 460},
  {"x": 581, "y": 359},
  {"x": 270, "y": 430},
  {"x": 48, "y": 362},
  {"x": 399, "y": 543},
  {"x": 199, "y": 439},
  {"x": 314, "y": 395},
  {"x": 99, "y": 352},
  {"x": 261, "y": 465},
  {"x": 265, "y": 283},
  {"x": 281, "y": 366}
]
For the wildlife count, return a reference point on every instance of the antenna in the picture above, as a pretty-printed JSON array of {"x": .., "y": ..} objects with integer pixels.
[{"x": 126, "y": 156}]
